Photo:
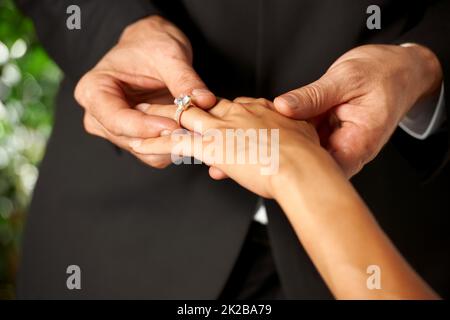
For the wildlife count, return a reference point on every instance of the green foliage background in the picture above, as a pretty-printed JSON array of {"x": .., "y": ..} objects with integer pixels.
[{"x": 28, "y": 84}]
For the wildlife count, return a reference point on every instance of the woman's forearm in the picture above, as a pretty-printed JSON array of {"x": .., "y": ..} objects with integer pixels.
[{"x": 341, "y": 236}]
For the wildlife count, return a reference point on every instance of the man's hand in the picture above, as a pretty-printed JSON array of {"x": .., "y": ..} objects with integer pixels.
[
  {"x": 362, "y": 97},
  {"x": 151, "y": 63}
]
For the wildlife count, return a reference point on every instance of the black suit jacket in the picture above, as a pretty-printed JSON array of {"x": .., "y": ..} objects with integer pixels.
[{"x": 137, "y": 232}]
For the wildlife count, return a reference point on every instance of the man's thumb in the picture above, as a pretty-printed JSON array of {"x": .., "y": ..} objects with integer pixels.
[
  {"x": 311, "y": 100},
  {"x": 181, "y": 79}
]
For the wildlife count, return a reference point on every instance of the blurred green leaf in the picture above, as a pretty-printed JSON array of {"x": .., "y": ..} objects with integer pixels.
[{"x": 28, "y": 85}]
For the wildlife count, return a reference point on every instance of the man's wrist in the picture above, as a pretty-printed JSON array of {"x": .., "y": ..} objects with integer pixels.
[{"x": 429, "y": 74}]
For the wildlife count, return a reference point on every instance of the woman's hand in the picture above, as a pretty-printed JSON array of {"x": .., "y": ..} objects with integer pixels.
[
  {"x": 331, "y": 221},
  {"x": 233, "y": 132}
]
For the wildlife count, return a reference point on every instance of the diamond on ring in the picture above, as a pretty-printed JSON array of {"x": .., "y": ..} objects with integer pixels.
[{"x": 182, "y": 103}]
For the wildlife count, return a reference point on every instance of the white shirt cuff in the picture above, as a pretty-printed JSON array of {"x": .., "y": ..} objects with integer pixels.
[{"x": 423, "y": 120}]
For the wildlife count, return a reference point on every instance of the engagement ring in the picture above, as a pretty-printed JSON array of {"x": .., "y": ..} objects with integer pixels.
[{"x": 182, "y": 103}]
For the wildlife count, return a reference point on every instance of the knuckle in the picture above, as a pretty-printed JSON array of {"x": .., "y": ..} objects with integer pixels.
[
  {"x": 357, "y": 150},
  {"x": 158, "y": 162},
  {"x": 264, "y": 102},
  {"x": 243, "y": 99},
  {"x": 156, "y": 21},
  {"x": 364, "y": 151},
  {"x": 82, "y": 92},
  {"x": 160, "y": 165},
  {"x": 237, "y": 106},
  {"x": 114, "y": 125},
  {"x": 122, "y": 123},
  {"x": 89, "y": 126},
  {"x": 353, "y": 168},
  {"x": 367, "y": 150},
  {"x": 236, "y": 109}
]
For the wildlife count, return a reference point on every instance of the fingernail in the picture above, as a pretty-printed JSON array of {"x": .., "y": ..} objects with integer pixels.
[
  {"x": 143, "y": 107},
  {"x": 291, "y": 100},
  {"x": 165, "y": 133},
  {"x": 201, "y": 92},
  {"x": 135, "y": 143}
]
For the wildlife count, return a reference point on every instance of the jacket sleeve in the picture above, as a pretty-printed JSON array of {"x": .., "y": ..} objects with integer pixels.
[
  {"x": 102, "y": 22},
  {"x": 430, "y": 27}
]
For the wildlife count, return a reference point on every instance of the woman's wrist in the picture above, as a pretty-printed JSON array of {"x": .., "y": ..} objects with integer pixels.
[{"x": 302, "y": 167}]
